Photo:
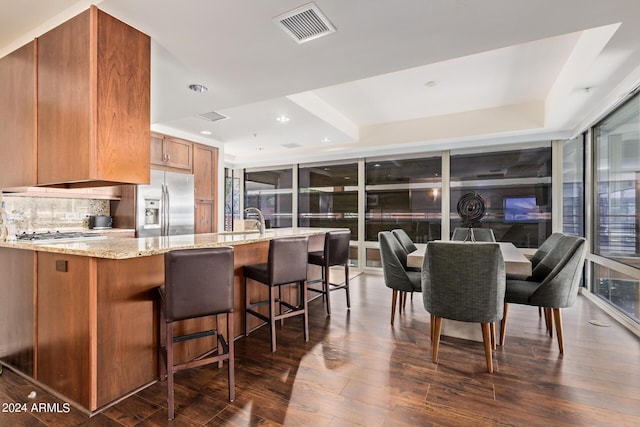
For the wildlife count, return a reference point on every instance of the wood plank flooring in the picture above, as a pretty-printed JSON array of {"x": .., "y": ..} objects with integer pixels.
[{"x": 357, "y": 370}]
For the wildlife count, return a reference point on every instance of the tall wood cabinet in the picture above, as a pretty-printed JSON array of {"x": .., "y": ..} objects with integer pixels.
[
  {"x": 205, "y": 160},
  {"x": 93, "y": 102},
  {"x": 18, "y": 112}
]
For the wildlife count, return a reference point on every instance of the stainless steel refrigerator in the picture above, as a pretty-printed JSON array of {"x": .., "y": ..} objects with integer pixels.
[{"x": 165, "y": 207}]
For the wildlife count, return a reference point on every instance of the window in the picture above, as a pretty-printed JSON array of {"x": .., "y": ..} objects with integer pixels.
[
  {"x": 617, "y": 181},
  {"x": 618, "y": 289},
  {"x": 516, "y": 188},
  {"x": 231, "y": 197},
  {"x": 404, "y": 193},
  {"x": 616, "y": 212},
  {"x": 573, "y": 186},
  {"x": 271, "y": 191},
  {"x": 328, "y": 196}
]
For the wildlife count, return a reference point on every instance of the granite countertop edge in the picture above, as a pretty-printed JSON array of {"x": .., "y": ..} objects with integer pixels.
[{"x": 131, "y": 247}]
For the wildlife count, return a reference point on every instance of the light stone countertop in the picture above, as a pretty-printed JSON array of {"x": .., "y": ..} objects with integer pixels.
[{"x": 129, "y": 247}]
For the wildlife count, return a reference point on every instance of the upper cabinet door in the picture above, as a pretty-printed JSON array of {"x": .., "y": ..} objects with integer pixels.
[
  {"x": 178, "y": 153},
  {"x": 18, "y": 112},
  {"x": 171, "y": 153},
  {"x": 157, "y": 149},
  {"x": 93, "y": 102}
]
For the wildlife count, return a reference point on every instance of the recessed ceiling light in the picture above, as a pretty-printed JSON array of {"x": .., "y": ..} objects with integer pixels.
[
  {"x": 283, "y": 119},
  {"x": 205, "y": 132},
  {"x": 325, "y": 140},
  {"x": 431, "y": 83},
  {"x": 198, "y": 87}
]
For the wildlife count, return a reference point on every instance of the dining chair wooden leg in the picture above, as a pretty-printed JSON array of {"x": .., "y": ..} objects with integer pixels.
[
  {"x": 486, "y": 339},
  {"x": 394, "y": 299},
  {"x": 540, "y": 312},
  {"x": 493, "y": 335},
  {"x": 436, "y": 339},
  {"x": 549, "y": 321},
  {"x": 503, "y": 323},
  {"x": 432, "y": 323},
  {"x": 558, "y": 319},
  {"x": 404, "y": 301}
]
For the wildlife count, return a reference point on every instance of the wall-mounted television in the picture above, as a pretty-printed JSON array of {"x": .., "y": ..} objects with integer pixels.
[{"x": 520, "y": 209}]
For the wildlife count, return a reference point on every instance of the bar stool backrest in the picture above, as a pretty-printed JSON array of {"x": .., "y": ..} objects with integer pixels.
[
  {"x": 336, "y": 247},
  {"x": 287, "y": 261},
  {"x": 198, "y": 282}
]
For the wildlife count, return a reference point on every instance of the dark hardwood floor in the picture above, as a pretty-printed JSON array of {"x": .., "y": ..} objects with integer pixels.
[{"x": 357, "y": 370}]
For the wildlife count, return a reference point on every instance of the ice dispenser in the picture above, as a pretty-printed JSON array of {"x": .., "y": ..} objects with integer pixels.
[{"x": 151, "y": 213}]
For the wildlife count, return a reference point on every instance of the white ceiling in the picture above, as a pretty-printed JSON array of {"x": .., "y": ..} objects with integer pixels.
[{"x": 401, "y": 75}]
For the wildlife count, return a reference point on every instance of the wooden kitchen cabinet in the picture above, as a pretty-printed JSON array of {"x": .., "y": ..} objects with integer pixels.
[
  {"x": 18, "y": 112},
  {"x": 204, "y": 217},
  {"x": 171, "y": 153},
  {"x": 205, "y": 161},
  {"x": 64, "y": 294},
  {"x": 87, "y": 349},
  {"x": 17, "y": 328},
  {"x": 93, "y": 102}
]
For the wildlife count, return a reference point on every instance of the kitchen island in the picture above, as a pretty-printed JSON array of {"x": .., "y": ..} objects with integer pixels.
[{"x": 80, "y": 317}]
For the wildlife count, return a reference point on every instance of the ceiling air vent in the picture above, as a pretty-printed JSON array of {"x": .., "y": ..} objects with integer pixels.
[
  {"x": 212, "y": 116},
  {"x": 305, "y": 23},
  {"x": 291, "y": 145}
]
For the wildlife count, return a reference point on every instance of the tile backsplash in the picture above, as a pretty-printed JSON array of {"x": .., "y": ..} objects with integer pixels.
[{"x": 38, "y": 214}]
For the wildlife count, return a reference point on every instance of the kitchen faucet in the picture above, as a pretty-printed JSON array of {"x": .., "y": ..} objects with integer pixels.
[{"x": 261, "y": 223}]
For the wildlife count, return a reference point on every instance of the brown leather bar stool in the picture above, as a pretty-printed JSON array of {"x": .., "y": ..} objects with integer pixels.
[
  {"x": 197, "y": 283},
  {"x": 286, "y": 264},
  {"x": 336, "y": 252}
]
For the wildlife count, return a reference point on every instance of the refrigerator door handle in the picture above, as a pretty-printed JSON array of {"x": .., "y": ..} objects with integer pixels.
[
  {"x": 167, "y": 211},
  {"x": 163, "y": 216}
]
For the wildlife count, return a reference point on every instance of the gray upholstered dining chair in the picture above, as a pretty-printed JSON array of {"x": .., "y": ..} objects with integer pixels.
[
  {"x": 404, "y": 240},
  {"x": 479, "y": 234},
  {"x": 553, "y": 283},
  {"x": 464, "y": 283},
  {"x": 396, "y": 276},
  {"x": 409, "y": 247},
  {"x": 540, "y": 253}
]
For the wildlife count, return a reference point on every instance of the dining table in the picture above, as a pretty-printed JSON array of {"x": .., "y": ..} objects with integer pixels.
[{"x": 515, "y": 263}]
